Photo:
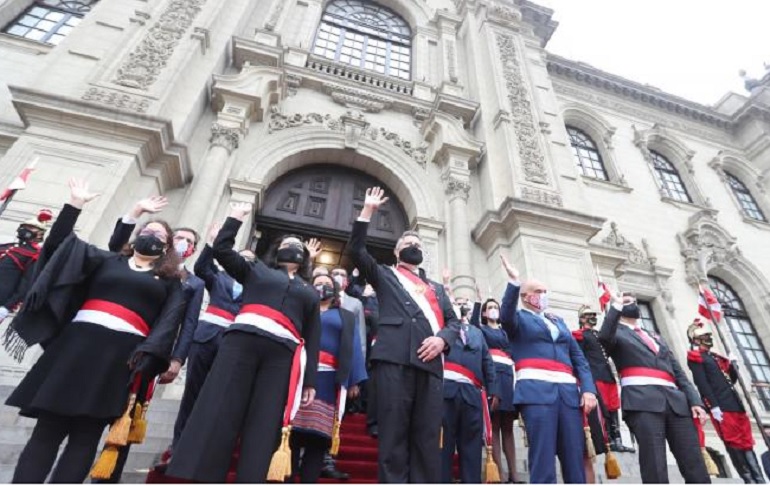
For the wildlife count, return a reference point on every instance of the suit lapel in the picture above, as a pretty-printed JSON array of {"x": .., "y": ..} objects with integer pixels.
[{"x": 640, "y": 341}]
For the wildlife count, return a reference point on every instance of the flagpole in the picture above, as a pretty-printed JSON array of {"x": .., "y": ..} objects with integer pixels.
[
  {"x": 6, "y": 202},
  {"x": 744, "y": 388}
]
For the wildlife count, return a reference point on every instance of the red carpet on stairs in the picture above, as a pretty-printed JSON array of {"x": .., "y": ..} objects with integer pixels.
[{"x": 357, "y": 456}]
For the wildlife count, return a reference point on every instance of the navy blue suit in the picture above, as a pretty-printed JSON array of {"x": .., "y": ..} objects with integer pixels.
[
  {"x": 551, "y": 411},
  {"x": 463, "y": 422},
  {"x": 207, "y": 336}
]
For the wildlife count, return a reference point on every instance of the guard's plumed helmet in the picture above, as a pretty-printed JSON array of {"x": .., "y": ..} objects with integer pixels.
[
  {"x": 697, "y": 329},
  {"x": 586, "y": 309},
  {"x": 42, "y": 221}
]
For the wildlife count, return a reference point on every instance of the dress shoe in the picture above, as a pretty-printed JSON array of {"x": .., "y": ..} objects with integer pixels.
[
  {"x": 373, "y": 431},
  {"x": 333, "y": 473}
]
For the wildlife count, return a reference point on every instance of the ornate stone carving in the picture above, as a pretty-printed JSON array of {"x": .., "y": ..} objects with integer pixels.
[
  {"x": 121, "y": 101},
  {"x": 451, "y": 60},
  {"x": 542, "y": 197},
  {"x": 358, "y": 99},
  {"x": 145, "y": 62},
  {"x": 279, "y": 121},
  {"x": 521, "y": 113},
  {"x": 272, "y": 21},
  {"x": 505, "y": 13},
  {"x": 456, "y": 187},
  {"x": 615, "y": 240},
  {"x": 225, "y": 137},
  {"x": 706, "y": 245}
]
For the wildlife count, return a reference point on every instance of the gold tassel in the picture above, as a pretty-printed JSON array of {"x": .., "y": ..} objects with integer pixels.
[
  {"x": 105, "y": 466},
  {"x": 711, "y": 466},
  {"x": 523, "y": 431},
  {"x": 118, "y": 434},
  {"x": 280, "y": 464},
  {"x": 441, "y": 437},
  {"x": 491, "y": 472},
  {"x": 590, "y": 449},
  {"x": 611, "y": 465},
  {"x": 335, "y": 449},
  {"x": 138, "y": 430}
]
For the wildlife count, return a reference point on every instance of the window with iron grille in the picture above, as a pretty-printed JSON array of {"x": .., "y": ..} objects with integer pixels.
[
  {"x": 647, "y": 318},
  {"x": 365, "y": 35},
  {"x": 668, "y": 178},
  {"x": 748, "y": 204},
  {"x": 745, "y": 337},
  {"x": 587, "y": 156},
  {"x": 49, "y": 21}
]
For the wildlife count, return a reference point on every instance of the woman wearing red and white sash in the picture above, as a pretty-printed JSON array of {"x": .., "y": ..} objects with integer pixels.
[
  {"x": 254, "y": 386},
  {"x": 340, "y": 371},
  {"x": 486, "y": 316},
  {"x": 101, "y": 314}
]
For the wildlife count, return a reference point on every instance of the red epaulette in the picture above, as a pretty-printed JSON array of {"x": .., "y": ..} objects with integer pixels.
[
  {"x": 694, "y": 356},
  {"x": 578, "y": 334}
]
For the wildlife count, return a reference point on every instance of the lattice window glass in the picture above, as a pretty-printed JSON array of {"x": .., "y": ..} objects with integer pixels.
[
  {"x": 49, "y": 21},
  {"x": 668, "y": 178},
  {"x": 365, "y": 35},
  {"x": 748, "y": 204},
  {"x": 647, "y": 319},
  {"x": 587, "y": 156},
  {"x": 745, "y": 337}
]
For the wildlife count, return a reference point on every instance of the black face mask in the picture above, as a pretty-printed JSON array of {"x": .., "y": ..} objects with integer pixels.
[
  {"x": 26, "y": 234},
  {"x": 325, "y": 292},
  {"x": 289, "y": 254},
  {"x": 631, "y": 311},
  {"x": 411, "y": 255},
  {"x": 591, "y": 321},
  {"x": 149, "y": 245},
  {"x": 707, "y": 341}
]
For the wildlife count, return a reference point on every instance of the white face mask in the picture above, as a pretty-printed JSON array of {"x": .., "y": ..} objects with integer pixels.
[
  {"x": 181, "y": 247},
  {"x": 340, "y": 280},
  {"x": 493, "y": 314}
]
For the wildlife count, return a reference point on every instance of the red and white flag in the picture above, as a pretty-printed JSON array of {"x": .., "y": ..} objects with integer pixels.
[
  {"x": 19, "y": 182},
  {"x": 708, "y": 305},
  {"x": 605, "y": 296}
]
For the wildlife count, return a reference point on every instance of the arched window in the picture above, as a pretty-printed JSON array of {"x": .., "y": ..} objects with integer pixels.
[
  {"x": 365, "y": 35},
  {"x": 49, "y": 20},
  {"x": 587, "y": 156},
  {"x": 748, "y": 204},
  {"x": 668, "y": 178},
  {"x": 745, "y": 336}
]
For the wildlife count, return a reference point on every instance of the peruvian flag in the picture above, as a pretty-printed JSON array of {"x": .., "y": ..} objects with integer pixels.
[
  {"x": 20, "y": 182},
  {"x": 605, "y": 296},
  {"x": 708, "y": 305}
]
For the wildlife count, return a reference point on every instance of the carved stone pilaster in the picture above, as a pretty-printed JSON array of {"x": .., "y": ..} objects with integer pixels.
[
  {"x": 225, "y": 137},
  {"x": 530, "y": 152},
  {"x": 705, "y": 245},
  {"x": 147, "y": 59},
  {"x": 451, "y": 60},
  {"x": 275, "y": 14}
]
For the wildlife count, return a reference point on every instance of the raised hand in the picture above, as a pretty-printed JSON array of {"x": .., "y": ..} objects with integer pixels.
[
  {"x": 313, "y": 246},
  {"x": 512, "y": 272},
  {"x": 479, "y": 297},
  {"x": 151, "y": 205},
  {"x": 446, "y": 276},
  {"x": 80, "y": 194},
  {"x": 375, "y": 197},
  {"x": 239, "y": 210},
  {"x": 213, "y": 232}
]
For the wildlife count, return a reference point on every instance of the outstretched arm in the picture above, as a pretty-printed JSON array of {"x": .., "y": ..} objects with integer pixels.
[
  {"x": 125, "y": 225},
  {"x": 366, "y": 264},
  {"x": 231, "y": 261}
]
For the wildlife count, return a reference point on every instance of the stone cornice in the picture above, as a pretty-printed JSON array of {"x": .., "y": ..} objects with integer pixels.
[
  {"x": 539, "y": 18},
  {"x": 644, "y": 95},
  {"x": 152, "y": 138}
]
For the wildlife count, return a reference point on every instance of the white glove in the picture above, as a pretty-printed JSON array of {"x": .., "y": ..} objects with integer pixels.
[
  {"x": 3, "y": 313},
  {"x": 716, "y": 412}
]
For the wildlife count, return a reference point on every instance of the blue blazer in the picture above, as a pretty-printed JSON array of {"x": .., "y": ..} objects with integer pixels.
[
  {"x": 530, "y": 337},
  {"x": 220, "y": 287},
  {"x": 475, "y": 356}
]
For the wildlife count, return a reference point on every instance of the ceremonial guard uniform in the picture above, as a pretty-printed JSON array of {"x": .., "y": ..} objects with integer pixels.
[
  {"x": 715, "y": 378},
  {"x": 549, "y": 366},
  {"x": 656, "y": 397},
  {"x": 469, "y": 378}
]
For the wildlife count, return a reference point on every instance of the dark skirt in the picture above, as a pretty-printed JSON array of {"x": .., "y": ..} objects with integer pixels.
[
  {"x": 597, "y": 431},
  {"x": 504, "y": 377},
  {"x": 82, "y": 373}
]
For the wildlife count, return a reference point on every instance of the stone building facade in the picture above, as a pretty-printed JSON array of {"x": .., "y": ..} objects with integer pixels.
[{"x": 487, "y": 144}]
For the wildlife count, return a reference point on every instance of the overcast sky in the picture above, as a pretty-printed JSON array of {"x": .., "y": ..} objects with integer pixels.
[{"x": 690, "y": 48}]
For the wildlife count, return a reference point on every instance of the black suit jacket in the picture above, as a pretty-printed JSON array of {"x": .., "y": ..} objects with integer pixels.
[
  {"x": 716, "y": 389},
  {"x": 588, "y": 339},
  {"x": 402, "y": 325},
  {"x": 628, "y": 350}
]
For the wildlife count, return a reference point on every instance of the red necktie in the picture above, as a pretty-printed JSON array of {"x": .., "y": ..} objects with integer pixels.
[{"x": 647, "y": 339}]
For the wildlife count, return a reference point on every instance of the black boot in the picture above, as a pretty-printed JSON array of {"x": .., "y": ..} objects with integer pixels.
[
  {"x": 756, "y": 471},
  {"x": 616, "y": 442},
  {"x": 740, "y": 464},
  {"x": 330, "y": 470}
]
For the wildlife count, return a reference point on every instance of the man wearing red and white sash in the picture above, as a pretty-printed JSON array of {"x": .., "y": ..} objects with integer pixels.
[
  {"x": 658, "y": 401},
  {"x": 417, "y": 324}
]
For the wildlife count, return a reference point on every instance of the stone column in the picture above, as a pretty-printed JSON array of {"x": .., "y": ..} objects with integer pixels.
[
  {"x": 250, "y": 192},
  {"x": 430, "y": 231},
  {"x": 457, "y": 187}
]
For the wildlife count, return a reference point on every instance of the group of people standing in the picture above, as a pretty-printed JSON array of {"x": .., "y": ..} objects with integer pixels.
[{"x": 280, "y": 346}]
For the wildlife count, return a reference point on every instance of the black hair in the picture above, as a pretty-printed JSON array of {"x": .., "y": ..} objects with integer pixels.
[
  {"x": 305, "y": 269},
  {"x": 484, "y": 308},
  {"x": 336, "y": 299},
  {"x": 190, "y": 230}
]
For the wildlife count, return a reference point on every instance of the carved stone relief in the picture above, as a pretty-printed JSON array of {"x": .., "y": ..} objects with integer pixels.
[
  {"x": 456, "y": 187},
  {"x": 523, "y": 119},
  {"x": 272, "y": 21},
  {"x": 358, "y": 99},
  {"x": 451, "y": 61},
  {"x": 540, "y": 196},
  {"x": 706, "y": 245},
  {"x": 615, "y": 240},
  {"x": 505, "y": 13},
  {"x": 121, "y": 101},
  {"x": 226, "y": 137},
  {"x": 279, "y": 121},
  {"x": 145, "y": 62}
]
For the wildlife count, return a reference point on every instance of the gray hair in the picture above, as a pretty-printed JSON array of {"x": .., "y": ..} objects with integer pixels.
[{"x": 405, "y": 234}]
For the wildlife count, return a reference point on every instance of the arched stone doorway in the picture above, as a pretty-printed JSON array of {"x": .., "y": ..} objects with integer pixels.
[{"x": 323, "y": 201}]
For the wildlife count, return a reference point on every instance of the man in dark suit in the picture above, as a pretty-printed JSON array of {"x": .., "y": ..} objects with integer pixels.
[
  {"x": 417, "y": 324},
  {"x": 658, "y": 401},
  {"x": 715, "y": 377},
  {"x": 554, "y": 386}
]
